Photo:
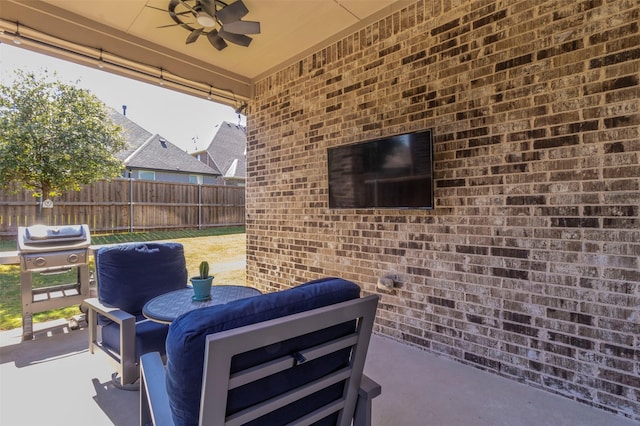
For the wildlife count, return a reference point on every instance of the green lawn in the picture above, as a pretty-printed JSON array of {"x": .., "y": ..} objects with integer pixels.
[{"x": 217, "y": 245}]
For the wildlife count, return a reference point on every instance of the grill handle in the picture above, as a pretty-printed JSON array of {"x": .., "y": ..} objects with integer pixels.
[{"x": 56, "y": 271}]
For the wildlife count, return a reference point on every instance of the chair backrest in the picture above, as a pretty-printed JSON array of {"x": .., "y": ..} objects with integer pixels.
[
  {"x": 271, "y": 359},
  {"x": 129, "y": 275}
]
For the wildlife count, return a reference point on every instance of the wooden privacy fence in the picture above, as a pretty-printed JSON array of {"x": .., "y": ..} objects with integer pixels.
[{"x": 123, "y": 205}]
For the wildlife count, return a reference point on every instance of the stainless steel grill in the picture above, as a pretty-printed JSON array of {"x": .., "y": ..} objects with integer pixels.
[{"x": 48, "y": 250}]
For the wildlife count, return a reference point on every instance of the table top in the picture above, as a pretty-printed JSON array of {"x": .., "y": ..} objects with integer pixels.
[{"x": 169, "y": 306}]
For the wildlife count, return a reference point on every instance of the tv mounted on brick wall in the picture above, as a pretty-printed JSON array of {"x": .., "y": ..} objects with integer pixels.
[{"x": 391, "y": 172}]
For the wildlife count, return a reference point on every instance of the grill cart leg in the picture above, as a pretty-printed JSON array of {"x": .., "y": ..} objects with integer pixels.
[{"x": 27, "y": 300}]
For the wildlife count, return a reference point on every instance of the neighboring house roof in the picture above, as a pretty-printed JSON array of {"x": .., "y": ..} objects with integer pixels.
[
  {"x": 134, "y": 135},
  {"x": 228, "y": 150},
  {"x": 159, "y": 154},
  {"x": 153, "y": 152}
]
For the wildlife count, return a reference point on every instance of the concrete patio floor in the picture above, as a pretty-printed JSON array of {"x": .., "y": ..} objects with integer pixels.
[{"x": 53, "y": 380}]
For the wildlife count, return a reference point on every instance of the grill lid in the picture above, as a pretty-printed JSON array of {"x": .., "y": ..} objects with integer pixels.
[
  {"x": 42, "y": 232},
  {"x": 42, "y": 238}
]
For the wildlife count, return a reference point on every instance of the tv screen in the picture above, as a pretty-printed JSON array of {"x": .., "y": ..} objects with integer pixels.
[{"x": 392, "y": 172}]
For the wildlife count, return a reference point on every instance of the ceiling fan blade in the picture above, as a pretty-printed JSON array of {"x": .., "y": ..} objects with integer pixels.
[
  {"x": 216, "y": 40},
  {"x": 239, "y": 39},
  {"x": 156, "y": 8},
  {"x": 193, "y": 36},
  {"x": 187, "y": 12},
  {"x": 233, "y": 12},
  {"x": 176, "y": 15},
  {"x": 208, "y": 7},
  {"x": 173, "y": 25},
  {"x": 184, "y": 3},
  {"x": 243, "y": 27}
]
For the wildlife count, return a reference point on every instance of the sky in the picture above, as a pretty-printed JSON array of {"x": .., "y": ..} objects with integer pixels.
[{"x": 186, "y": 121}]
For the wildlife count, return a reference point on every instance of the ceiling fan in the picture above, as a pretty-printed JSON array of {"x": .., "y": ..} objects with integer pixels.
[{"x": 218, "y": 21}]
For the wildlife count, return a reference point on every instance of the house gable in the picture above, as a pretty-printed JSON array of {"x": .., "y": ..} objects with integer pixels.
[{"x": 228, "y": 151}]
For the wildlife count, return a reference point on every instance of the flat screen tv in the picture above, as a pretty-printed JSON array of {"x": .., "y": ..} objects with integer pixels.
[{"x": 392, "y": 172}]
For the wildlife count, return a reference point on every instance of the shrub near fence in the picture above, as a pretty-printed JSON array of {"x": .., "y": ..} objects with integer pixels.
[{"x": 124, "y": 205}]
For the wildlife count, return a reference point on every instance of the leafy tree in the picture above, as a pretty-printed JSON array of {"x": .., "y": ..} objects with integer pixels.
[{"x": 54, "y": 137}]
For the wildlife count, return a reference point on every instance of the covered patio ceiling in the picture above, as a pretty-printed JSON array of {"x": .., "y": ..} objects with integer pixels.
[{"x": 136, "y": 38}]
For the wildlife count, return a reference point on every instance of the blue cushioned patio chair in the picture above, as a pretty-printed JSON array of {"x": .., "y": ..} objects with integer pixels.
[
  {"x": 289, "y": 357},
  {"x": 129, "y": 275}
]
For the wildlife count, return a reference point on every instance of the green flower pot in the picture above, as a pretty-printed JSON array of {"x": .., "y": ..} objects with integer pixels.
[{"x": 201, "y": 288}]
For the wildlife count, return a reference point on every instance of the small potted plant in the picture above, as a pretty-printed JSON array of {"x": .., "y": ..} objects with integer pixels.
[{"x": 202, "y": 283}]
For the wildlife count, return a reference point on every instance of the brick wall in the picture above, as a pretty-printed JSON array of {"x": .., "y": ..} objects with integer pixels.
[{"x": 529, "y": 264}]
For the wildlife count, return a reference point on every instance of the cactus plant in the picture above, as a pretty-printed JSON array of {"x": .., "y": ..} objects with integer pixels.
[
  {"x": 202, "y": 283},
  {"x": 204, "y": 269}
]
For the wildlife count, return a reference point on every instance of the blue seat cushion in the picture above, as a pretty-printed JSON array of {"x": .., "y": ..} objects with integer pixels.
[
  {"x": 186, "y": 347},
  {"x": 150, "y": 336}
]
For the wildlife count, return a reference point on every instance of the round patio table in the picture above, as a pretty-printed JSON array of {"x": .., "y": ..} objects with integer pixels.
[{"x": 169, "y": 306}]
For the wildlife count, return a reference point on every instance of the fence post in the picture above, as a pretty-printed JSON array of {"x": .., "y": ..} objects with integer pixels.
[
  {"x": 130, "y": 203},
  {"x": 199, "y": 206}
]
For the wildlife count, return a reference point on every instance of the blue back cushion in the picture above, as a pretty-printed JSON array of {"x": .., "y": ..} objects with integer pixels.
[
  {"x": 186, "y": 346},
  {"x": 129, "y": 275}
]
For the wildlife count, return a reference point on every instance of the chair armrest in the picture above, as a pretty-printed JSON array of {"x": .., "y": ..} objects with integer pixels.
[
  {"x": 124, "y": 319},
  {"x": 128, "y": 369},
  {"x": 114, "y": 314},
  {"x": 154, "y": 401},
  {"x": 369, "y": 389}
]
